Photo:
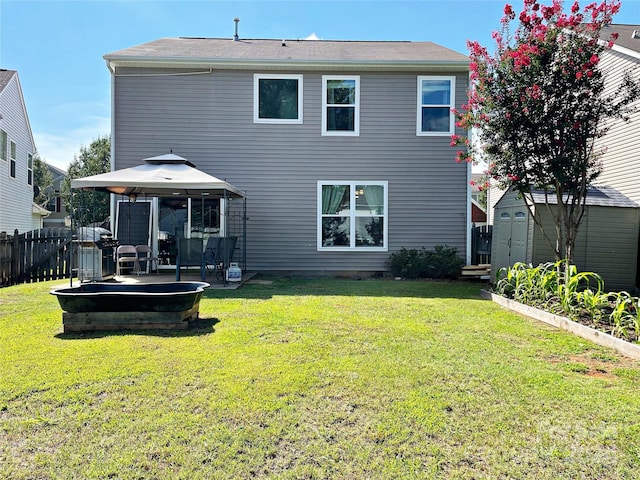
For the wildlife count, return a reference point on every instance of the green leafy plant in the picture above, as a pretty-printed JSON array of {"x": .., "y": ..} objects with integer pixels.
[
  {"x": 442, "y": 262},
  {"x": 560, "y": 288},
  {"x": 624, "y": 315}
]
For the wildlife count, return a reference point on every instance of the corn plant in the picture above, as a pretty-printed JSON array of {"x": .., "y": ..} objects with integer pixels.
[
  {"x": 573, "y": 283},
  {"x": 624, "y": 316},
  {"x": 593, "y": 303}
]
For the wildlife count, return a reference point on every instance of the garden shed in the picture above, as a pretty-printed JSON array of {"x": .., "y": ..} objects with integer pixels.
[{"x": 607, "y": 241}]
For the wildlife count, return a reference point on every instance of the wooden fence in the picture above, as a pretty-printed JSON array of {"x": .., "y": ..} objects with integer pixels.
[
  {"x": 481, "y": 244},
  {"x": 35, "y": 256}
]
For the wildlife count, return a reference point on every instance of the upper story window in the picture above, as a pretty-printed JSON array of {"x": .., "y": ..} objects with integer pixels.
[
  {"x": 341, "y": 105},
  {"x": 3, "y": 145},
  {"x": 277, "y": 98},
  {"x": 352, "y": 215},
  {"x": 12, "y": 171},
  {"x": 436, "y": 99},
  {"x": 29, "y": 169}
]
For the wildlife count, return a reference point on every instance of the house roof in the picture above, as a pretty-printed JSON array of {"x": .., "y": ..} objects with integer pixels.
[
  {"x": 5, "y": 77},
  {"x": 626, "y": 38},
  {"x": 218, "y": 52},
  {"x": 599, "y": 196}
]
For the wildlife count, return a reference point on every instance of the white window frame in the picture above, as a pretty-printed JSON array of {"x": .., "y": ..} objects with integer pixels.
[
  {"x": 30, "y": 169},
  {"x": 352, "y": 217},
  {"x": 13, "y": 152},
  {"x": 356, "y": 115},
  {"x": 4, "y": 145},
  {"x": 256, "y": 98},
  {"x": 451, "y": 105}
]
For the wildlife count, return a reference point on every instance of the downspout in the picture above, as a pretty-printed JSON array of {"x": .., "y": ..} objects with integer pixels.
[
  {"x": 469, "y": 176},
  {"x": 469, "y": 222},
  {"x": 112, "y": 197}
]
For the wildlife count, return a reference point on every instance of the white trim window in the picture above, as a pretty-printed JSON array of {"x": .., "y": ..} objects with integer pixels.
[
  {"x": 29, "y": 169},
  {"x": 341, "y": 105},
  {"x": 12, "y": 159},
  {"x": 277, "y": 98},
  {"x": 4, "y": 142},
  {"x": 436, "y": 99},
  {"x": 352, "y": 216}
]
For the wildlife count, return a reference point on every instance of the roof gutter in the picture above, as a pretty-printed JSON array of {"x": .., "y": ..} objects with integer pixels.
[{"x": 114, "y": 62}]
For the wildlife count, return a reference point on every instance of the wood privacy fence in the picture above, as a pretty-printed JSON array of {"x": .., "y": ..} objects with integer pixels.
[
  {"x": 35, "y": 256},
  {"x": 481, "y": 244}
]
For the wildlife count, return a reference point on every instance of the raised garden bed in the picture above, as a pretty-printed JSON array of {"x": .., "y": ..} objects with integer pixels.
[{"x": 631, "y": 350}]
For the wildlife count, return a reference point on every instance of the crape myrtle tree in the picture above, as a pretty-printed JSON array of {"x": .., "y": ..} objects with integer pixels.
[
  {"x": 88, "y": 206},
  {"x": 538, "y": 106}
]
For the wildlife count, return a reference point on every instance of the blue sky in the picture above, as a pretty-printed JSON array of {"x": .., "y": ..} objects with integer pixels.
[{"x": 57, "y": 46}]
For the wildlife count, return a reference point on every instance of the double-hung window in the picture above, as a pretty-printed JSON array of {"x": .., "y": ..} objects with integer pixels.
[
  {"x": 29, "y": 169},
  {"x": 277, "y": 98},
  {"x": 436, "y": 99},
  {"x": 352, "y": 215},
  {"x": 12, "y": 159},
  {"x": 341, "y": 105},
  {"x": 3, "y": 145}
]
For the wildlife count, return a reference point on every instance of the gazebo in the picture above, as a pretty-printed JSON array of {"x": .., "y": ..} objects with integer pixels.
[{"x": 174, "y": 179}]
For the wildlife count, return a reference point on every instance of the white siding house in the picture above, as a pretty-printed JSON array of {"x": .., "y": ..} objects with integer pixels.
[
  {"x": 621, "y": 161},
  {"x": 17, "y": 149}
]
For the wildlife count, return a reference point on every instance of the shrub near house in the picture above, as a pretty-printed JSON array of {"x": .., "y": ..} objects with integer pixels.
[{"x": 442, "y": 262}]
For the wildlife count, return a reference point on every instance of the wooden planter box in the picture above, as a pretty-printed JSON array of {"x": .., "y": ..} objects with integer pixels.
[{"x": 628, "y": 349}]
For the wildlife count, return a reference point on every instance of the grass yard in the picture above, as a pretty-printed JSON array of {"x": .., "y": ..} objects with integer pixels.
[{"x": 306, "y": 379}]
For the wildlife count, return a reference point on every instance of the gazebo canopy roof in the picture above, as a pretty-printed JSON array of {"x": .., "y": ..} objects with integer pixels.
[{"x": 162, "y": 176}]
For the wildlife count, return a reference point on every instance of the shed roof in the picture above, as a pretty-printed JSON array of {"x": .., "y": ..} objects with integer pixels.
[
  {"x": 599, "y": 196},
  {"x": 224, "y": 51}
]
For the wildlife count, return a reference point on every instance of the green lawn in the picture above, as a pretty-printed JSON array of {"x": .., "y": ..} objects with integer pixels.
[{"x": 331, "y": 379}]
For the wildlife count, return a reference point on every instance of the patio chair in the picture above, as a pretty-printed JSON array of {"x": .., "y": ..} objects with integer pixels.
[
  {"x": 190, "y": 254},
  {"x": 127, "y": 257},
  {"x": 145, "y": 255},
  {"x": 219, "y": 254}
]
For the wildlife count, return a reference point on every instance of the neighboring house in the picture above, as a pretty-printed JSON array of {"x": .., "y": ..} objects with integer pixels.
[
  {"x": 17, "y": 149},
  {"x": 621, "y": 161},
  {"x": 478, "y": 211},
  {"x": 342, "y": 147},
  {"x": 58, "y": 217}
]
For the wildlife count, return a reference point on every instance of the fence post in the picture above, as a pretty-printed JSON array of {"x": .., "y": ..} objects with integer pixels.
[{"x": 15, "y": 259}]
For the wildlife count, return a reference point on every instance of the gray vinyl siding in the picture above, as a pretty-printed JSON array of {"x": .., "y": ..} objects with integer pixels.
[
  {"x": 621, "y": 162},
  {"x": 208, "y": 119},
  {"x": 16, "y": 195}
]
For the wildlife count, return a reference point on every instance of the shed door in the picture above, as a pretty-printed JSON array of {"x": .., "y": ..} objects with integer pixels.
[
  {"x": 519, "y": 229},
  {"x": 503, "y": 237},
  {"x": 512, "y": 236}
]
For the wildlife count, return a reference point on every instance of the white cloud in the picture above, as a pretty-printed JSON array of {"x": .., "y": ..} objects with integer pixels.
[
  {"x": 58, "y": 148},
  {"x": 313, "y": 36}
]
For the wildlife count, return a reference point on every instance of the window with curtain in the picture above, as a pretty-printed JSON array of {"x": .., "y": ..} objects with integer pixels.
[
  {"x": 341, "y": 105},
  {"x": 436, "y": 98},
  {"x": 352, "y": 215},
  {"x": 277, "y": 98}
]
